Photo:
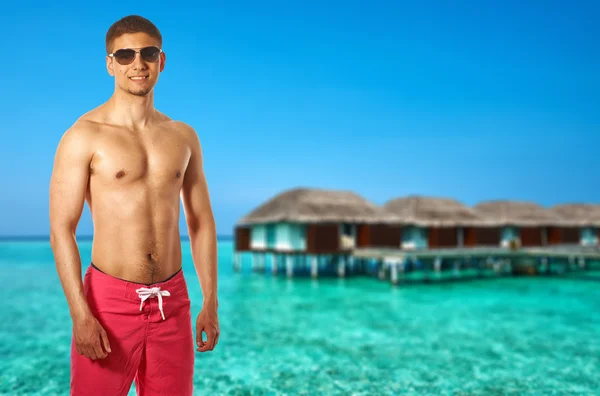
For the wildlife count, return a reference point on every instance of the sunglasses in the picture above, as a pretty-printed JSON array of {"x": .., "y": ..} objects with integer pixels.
[{"x": 126, "y": 56}]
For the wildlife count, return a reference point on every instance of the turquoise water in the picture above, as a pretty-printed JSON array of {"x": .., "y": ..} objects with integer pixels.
[{"x": 333, "y": 336}]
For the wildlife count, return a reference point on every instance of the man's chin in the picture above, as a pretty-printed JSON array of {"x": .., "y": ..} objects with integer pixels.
[{"x": 140, "y": 92}]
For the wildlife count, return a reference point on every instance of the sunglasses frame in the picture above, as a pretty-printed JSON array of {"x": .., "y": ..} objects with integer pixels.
[{"x": 136, "y": 52}]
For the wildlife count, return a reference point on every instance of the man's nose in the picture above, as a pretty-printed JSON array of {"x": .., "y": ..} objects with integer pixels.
[{"x": 138, "y": 63}]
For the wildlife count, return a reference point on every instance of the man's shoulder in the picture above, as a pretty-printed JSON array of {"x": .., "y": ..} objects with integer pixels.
[
  {"x": 82, "y": 129},
  {"x": 182, "y": 126},
  {"x": 88, "y": 123},
  {"x": 185, "y": 129},
  {"x": 78, "y": 139},
  {"x": 80, "y": 135}
]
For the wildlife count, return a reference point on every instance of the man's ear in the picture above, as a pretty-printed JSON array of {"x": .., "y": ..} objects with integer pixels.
[
  {"x": 163, "y": 59},
  {"x": 109, "y": 65}
]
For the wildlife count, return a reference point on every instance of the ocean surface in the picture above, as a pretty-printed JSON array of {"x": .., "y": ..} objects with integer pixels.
[{"x": 353, "y": 336}]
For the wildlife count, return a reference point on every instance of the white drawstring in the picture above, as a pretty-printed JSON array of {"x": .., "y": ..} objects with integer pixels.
[{"x": 145, "y": 293}]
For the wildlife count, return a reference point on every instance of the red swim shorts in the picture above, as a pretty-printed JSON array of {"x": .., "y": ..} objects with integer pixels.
[{"x": 149, "y": 329}]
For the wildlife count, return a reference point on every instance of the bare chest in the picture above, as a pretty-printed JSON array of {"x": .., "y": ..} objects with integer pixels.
[{"x": 158, "y": 160}]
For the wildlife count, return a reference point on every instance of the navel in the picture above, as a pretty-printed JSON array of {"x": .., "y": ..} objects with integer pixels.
[
  {"x": 178, "y": 174},
  {"x": 120, "y": 174}
]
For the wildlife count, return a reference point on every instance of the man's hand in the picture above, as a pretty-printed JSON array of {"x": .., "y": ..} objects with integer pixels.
[
  {"x": 208, "y": 322},
  {"x": 89, "y": 336}
]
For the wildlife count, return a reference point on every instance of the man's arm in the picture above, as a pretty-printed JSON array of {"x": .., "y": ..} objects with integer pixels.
[
  {"x": 67, "y": 196},
  {"x": 68, "y": 186},
  {"x": 200, "y": 223}
]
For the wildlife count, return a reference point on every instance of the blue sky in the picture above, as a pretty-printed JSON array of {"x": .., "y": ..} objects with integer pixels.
[{"x": 455, "y": 98}]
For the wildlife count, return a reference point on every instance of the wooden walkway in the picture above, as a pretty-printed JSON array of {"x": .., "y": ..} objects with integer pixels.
[
  {"x": 405, "y": 266},
  {"x": 481, "y": 252},
  {"x": 399, "y": 265}
]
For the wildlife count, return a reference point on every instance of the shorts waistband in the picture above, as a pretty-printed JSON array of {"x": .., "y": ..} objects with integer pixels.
[
  {"x": 145, "y": 284},
  {"x": 174, "y": 284}
]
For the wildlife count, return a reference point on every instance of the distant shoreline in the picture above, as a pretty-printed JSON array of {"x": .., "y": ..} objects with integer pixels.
[{"x": 46, "y": 238}]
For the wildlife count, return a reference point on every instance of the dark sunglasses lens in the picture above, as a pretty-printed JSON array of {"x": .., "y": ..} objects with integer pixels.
[
  {"x": 125, "y": 56},
  {"x": 150, "y": 54}
]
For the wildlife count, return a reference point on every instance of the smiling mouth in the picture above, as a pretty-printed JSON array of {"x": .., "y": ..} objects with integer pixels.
[{"x": 138, "y": 78}]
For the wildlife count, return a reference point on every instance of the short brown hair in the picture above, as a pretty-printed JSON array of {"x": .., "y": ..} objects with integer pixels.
[{"x": 131, "y": 24}]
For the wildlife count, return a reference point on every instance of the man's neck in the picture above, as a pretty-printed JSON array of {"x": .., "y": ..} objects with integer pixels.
[{"x": 135, "y": 112}]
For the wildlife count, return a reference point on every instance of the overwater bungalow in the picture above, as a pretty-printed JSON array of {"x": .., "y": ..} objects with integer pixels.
[
  {"x": 432, "y": 222},
  {"x": 311, "y": 221},
  {"x": 581, "y": 224},
  {"x": 524, "y": 223},
  {"x": 314, "y": 230}
]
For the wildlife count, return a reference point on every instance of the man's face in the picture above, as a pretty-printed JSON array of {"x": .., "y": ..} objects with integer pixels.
[{"x": 138, "y": 68}]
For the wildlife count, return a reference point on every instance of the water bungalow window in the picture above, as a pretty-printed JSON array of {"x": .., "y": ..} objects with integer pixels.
[
  {"x": 347, "y": 229},
  {"x": 347, "y": 236}
]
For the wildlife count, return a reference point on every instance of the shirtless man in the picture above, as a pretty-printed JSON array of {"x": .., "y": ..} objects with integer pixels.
[{"x": 131, "y": 314}]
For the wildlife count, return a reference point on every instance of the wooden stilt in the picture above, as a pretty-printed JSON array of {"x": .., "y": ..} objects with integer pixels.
[
  {"x": 402, "y": 268},
  {"x": 569, "y": 265},
  {"x": 394, "y": 272},
  {"x": 341, "y": 266},
  {"x": 497, "y": 265},
  {"x": 543, "y": 265},
  {"x": 314, "y": 267},
  {"x": 381, "y": 269},
  {"x": 274, "y": 265},
  {"x": 437, "y": 265},
  {"x": 289, "y": 266},
  {"x": 456, "y": 269}
]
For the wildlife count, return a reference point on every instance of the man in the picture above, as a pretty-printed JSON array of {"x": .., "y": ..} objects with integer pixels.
[{"x": 131, "y": 163}]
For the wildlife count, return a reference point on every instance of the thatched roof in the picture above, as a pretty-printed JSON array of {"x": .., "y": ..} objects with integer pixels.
[
  {"x": 578, "y": 214},
  {"x": 432, "y": 211},
  {"x": 313, "y": 205},
  {"x": 517, "y": 213}
]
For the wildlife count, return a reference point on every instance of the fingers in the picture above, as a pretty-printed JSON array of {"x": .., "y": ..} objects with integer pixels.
[
  {"x": 92, "y": 353},
  {"x": 105, "y": 340},
  {"x": 90, "y": 338},
  {"x": 199, "y": 341},
  {"x": 208, "y": 345},
  {"x": 211, "y": 342},
  {"x": 215, "y": 339},
  {"x": 89, "y": 352},
  {"x": 98, "y": 340},
  {"x": 94, "y": 349},
  {"x": 100, "y": 354},
  {"x": 205, "y": 345}
]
